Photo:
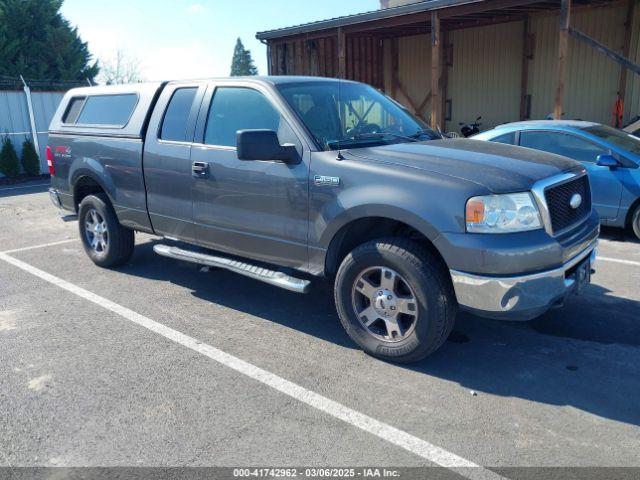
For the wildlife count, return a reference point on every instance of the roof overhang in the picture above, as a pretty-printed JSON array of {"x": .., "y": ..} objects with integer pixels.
[
  {"x": 454, "y": 13},
  {"x": 365, "y": 17}
]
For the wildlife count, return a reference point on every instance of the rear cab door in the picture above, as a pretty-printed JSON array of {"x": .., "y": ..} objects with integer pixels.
[
  {"x": 255, "y": 209},
  {"x": 167, "y": 159}
]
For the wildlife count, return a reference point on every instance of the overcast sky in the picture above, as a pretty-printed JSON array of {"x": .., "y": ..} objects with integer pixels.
[{"x": 175, "y": 39}]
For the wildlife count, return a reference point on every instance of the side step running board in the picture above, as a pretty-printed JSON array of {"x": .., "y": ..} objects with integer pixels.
[{"x": 279, "y": 279}]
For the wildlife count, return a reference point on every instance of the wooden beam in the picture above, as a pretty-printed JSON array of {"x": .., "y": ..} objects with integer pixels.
[
  {"x": 563, "y": 50},
  {"x": 435, "y": 69},
  {"x": 625, "y": 62},
  {"x": 405, "y": 93},
  {"x": 626, "y": 48},
  {"x": 342, "y": 55},
  {"x": 524, "y": 78},
  {"x": 424, "y": 103}
]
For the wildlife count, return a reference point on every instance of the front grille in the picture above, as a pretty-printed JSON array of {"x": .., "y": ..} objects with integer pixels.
[{"x": 558, "y": 198}]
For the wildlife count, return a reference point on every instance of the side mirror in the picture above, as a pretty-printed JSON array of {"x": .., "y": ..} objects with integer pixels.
[
  {"x": 607, "y": 160},
  {"x": 264, "y": 145}
]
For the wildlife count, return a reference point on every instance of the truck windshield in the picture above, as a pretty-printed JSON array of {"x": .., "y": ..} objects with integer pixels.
[{"x": 352, "y": 115}]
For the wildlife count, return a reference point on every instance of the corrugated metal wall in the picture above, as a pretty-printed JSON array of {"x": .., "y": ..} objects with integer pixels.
[
  {"x": 414, "y": 73},
  {"x": 14, "y": 117},
  {"x": 45, "y": 105},
  {"x": 305, "y": 57},
  {"x": 592, "y": 79},
  {"x": 485, "y": 75}
]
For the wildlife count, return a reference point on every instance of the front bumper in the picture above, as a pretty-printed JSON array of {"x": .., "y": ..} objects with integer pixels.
[{"x": 521, "y": 297}]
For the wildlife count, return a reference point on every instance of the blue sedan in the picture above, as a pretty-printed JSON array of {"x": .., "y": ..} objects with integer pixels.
[{"x": 611, "y": 157}]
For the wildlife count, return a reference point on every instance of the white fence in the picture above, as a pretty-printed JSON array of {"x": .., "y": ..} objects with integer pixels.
[{"x": 15, "y": 121}]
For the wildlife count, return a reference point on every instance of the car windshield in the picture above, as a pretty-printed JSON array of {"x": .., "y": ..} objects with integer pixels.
[
  {"x": 352, "y": 115},
  {"x": 618, "y": 138}
]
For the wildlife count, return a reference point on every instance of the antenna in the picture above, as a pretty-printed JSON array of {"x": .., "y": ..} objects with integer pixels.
[
  {"x": 340, "y": 119},
  {"x": 341, "y": 63}
]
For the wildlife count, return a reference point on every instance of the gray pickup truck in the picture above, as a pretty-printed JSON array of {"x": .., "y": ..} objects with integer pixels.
[{"x": 287, "y": 179}]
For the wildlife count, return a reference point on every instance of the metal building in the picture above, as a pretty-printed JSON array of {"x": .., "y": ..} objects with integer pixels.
[{"x": 505, "y": 60}]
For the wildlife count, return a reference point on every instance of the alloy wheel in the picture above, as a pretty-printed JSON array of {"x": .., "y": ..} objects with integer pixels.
[
  {"x": 385, "y": 303},
  {"x": 96, "y": 232}
]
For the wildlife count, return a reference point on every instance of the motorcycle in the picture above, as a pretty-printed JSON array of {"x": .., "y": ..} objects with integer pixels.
[{"x": 470, "y": 129}]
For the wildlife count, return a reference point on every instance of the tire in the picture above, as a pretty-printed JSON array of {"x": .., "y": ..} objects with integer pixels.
[
  {"x": 635, "y": 222},
  {"x": 426, "y": 321},
  {"x": 110, "y": 246}
]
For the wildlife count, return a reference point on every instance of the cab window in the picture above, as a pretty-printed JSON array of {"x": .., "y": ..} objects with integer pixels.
[
  {"x": 176, "y": 117},
  {"x": 239, "y": 108},
  {"x": 508, "y": 138}
]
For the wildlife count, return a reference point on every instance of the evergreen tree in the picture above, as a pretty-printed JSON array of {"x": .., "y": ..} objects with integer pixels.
[
  {"x": 29, "y": 159},
  {"x": 242, "y": 63},
  {"x": 36, "y": 41},
  {"x": 9, "y": 162}
]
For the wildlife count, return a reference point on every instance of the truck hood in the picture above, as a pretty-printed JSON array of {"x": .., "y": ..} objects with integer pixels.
[{"x": 498, "y": 167}]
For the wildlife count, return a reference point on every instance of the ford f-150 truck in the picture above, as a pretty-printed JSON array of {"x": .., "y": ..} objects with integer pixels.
[{"x": 287, "y": 179}]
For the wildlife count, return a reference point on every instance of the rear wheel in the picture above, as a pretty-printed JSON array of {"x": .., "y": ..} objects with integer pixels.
[
  {"x": 394, "y": 300},
  {"x": 105, "y": 241}
]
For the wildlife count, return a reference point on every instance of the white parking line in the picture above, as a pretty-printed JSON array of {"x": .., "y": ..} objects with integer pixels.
[
  {"x": 34, "y": 247},
  {"x": 24, "y": 186},
  {"x": 618, "y": 260},
  {"x": 386, "y": 432}
]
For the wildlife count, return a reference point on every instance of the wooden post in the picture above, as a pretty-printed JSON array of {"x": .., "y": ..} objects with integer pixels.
[
  {"x": 444, "y": 79},
  {"x": 395, "y": 67},
  {"x": 563, "y": 50},
  {"x": 628, "y": 25},
  {"x": 435, "y": 68},
  {"x": 524, "y": 79},
  {"x": 272, "y": 52},
  {"x": 342, "y": 55}
]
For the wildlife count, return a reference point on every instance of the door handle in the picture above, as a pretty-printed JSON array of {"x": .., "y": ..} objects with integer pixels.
[{"x": 200, "y": 169}]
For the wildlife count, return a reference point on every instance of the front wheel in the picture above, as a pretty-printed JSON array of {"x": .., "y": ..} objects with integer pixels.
[
  {"x": 105, "y": 241},
  {"x": 635, "y": 222},
  {"x": 394, "y": 300}
]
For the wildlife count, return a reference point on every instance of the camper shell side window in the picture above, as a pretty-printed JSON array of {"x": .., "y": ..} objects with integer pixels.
[{"x": 106, "y": 111}]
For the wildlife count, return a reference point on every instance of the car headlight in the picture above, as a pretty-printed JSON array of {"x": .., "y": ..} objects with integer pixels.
[{"x": 513, "y": 212}]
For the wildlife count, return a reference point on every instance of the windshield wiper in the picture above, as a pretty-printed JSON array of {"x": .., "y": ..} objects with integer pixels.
[
  {"x": 380, "y": 135},
  {"x": 428, "y": 133},
  {"x": 371, "y": 137}
]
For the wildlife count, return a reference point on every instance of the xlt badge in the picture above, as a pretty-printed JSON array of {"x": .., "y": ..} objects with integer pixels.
[{"x": 323, "y": 180}]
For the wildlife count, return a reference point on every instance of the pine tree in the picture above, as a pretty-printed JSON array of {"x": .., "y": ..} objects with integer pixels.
[
  {"x": 242, "y": 63},
  {"x": 9, "y": 163},
  {"x": 36, "y": 41},
  {"x": 30, "y": 160}
]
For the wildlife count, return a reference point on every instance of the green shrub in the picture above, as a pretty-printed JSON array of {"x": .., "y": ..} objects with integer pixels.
[
  {"x": 9, "y": 163},
  {"x": 30, "y": 159}
]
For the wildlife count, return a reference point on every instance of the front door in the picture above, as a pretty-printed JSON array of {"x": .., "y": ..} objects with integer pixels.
[
  {"x": 254, "y": 209},
  {"x": 606, "y": 185}
]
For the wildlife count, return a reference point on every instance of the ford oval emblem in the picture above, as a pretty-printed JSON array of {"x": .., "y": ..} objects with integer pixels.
[{"x": 576, "y": 200}]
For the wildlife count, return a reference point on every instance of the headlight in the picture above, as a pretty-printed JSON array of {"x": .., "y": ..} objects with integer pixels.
[{"x": 513, "y": 212}]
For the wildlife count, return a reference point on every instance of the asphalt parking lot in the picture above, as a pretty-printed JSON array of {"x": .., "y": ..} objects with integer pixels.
[{"x": 161, "y": 364}]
